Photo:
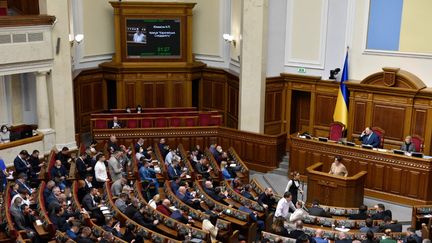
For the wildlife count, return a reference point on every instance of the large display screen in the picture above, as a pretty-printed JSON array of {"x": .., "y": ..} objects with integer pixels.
[{"x": 153, "y": 38}]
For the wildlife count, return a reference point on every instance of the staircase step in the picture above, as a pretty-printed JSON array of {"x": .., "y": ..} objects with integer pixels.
[
  {"x": 280, "y": 171},
  {"x": 283, "y": 165}
]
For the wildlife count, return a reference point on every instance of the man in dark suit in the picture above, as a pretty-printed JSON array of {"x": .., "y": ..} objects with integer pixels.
[
  {"x": 391, "y": 224},
  {"x": 203, "y": 168},
  {"x": 58, "y": 220},
  {"x": 213, "y": 193},
  {"x": 316, "y": 210},
  {"x": 298, "y": 230},
  {"x": 266, "y": 199},
  {"x": 142, "y": 218},
  {"x": 89, "y": 202},
  {"x": 411, "y": 233},
  {"x": 362, "y": 214},
  {"x": 21, "y": 181},
  {"x": 180, "y": 215},
  {"x": 81, "y": 165},
  {"x": 20, "y": 163},
  {"x": 132, "y": 208},
  {"x": 246, "y": 207},
  {"x": 115, "y": 123},
  {"x": 381, "y": 212},
  {"x": 174, "y": 170},
  {"x": 368, "y": 137}
]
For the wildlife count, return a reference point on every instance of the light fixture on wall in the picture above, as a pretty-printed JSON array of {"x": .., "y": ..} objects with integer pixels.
[
  {"x": 229, "y": 38},
  {"x": 76, "y": 39}
]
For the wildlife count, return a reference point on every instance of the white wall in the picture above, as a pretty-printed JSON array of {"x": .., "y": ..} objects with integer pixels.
[
  {"x": 276, "y": 37},
  {"x": 363, "y": 64}
]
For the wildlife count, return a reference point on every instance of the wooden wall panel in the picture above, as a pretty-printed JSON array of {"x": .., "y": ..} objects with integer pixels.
[
  {"x": 160, "y": 95},
  {"x": 98, "y": 96},
  {"x": 360, "y": 116},
  {"x": 391, "y": 119},
  {"x": 179, "y": 91},
  {"x": 147, "y": 99},
  {"x": 419, "y": 121},
  {"x": 86, "y": 93},
  {"x": 130, "y": 95},
  {"x": 207, "y": 93},
  {"x": 325, "y": 108},
  {"x": 218, "y": 93},
  {"x": 412, "y": 179},
  {"x": 395, "y": 185}
]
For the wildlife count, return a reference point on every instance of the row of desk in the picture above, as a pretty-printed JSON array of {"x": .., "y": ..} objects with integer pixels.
[{"x": 398, "y": 178}]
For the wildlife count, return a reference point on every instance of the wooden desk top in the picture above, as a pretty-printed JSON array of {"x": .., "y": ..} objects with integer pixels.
[{"x": 398, "y": 178}]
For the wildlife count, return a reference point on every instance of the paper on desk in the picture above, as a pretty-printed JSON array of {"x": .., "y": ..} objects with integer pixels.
[{"x": 342, "y": 229}]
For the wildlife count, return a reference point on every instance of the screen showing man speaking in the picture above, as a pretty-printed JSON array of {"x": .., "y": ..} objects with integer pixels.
[{"x": 153, "y": 38}]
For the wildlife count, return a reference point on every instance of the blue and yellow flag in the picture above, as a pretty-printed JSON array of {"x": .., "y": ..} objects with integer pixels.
[{"x": 341, "y": 110}]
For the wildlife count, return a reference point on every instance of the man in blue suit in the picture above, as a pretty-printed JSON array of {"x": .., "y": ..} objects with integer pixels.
[
  {"x": 368, "y": 137},
  {"x": 20, "y": 163},
  {"x": 246, "y": 207},
  {"x": 147, "y": 174}
]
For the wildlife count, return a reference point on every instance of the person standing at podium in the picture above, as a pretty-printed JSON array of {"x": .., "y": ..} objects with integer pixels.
[
  {"x": 294, "y": 186},
  {"x": 337, "y": 168},
  {"x": 368, "y": 137}
]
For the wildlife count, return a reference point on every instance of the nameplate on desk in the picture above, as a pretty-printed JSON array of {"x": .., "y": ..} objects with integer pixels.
[{"x": 323, "y": 139}]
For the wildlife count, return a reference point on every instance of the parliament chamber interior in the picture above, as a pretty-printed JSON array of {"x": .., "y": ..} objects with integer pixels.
[{"x": 215, "y": 121}]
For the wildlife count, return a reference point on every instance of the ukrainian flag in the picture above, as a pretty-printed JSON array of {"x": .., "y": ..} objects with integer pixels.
[{"x": 341, "y": 110}]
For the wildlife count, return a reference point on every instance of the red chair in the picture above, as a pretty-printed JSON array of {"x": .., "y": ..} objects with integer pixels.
[
  {"x": 418, "y": 143},
  {"x": 132, "y": 123},
  {"x": 175, "y": 122},
  {"x": 216, "y": 120},
  {"x": 204, "y": 119},
  {"x": 190, "y": 121},
  {"x": 161, "y": 122},
  {"x": 146, "y": 123},
  {"x": 380, "y": 132},
  {"x": 101, "y": 124},
  {"x": 336, "y": 131}
]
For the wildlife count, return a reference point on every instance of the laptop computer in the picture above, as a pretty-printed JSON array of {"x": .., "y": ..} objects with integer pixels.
[
  {"x": 350, "y": 144},
  {"x": 323, "y": 139},
  {"x": 367, "y": 146},
  {"x": 397, "y": 151},
  {"x": 417, "y": 154}
]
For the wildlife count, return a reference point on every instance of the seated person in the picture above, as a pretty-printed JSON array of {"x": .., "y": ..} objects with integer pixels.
[
  {"x": 369, "y": 226},
  {"x": 247, "y": 192},
  {"x": 246, "y": 207},
  {"x": 225, "y": 173},
  {"x": 316, "y": 210},
  {"x": 381, "y": 212},
  {"x": 362, "y": 214},
  {"x": 278, "y": 227},
  {"x": 164, "y": 208},
  {"x": 368, "y": 137},
  {"x": 181, "y": 215},
  {"x": 148, "y": 174},
  {"x": 4, "y": 134},
  {"x": 24, "y": 219},
  {"x": 337, "y": 168},
  {"x": 175, "y": 184},
  {"x": 64, "y": 157},
  {"x": 90, "y": 203},
  {"x": 115, "y": 123},
  {"x": 188, "y": 198},
  {"x": 215, "y": 193},
  {"x": 58, "y": 219},
  {"x": 299, "y": 213},
  {"x": 411, "y": 236},
  {"x": 144, "y": 219},
  {"x": 298, "y": 230},
  {"x": 117, "y": 186},
  {"x": 120, "y": 203},
  {"x": 112, "y": 226},
  {"x": 387, "y": 238},
  {"x": 407, "y": 145},
  {"x": 319, "y": 236},
  {"x": 266, "y": 198},
  {"x": 203, "y": 168},
  {"x": 59, "y": 174},
  {"x": 175, "y": 170},
  {"x": 390, "y": 224},
  {"x": 22, "y": 183}
]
